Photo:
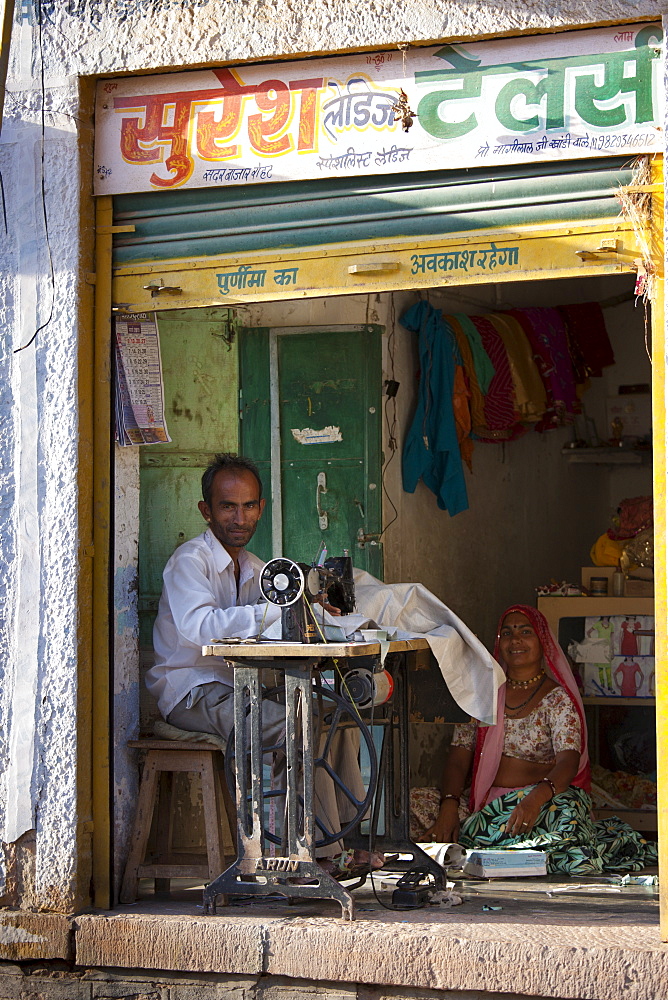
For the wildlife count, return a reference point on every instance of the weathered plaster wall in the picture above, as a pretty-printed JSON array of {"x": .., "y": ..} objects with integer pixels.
[
  {"x": 39, "y": 529},
  {"x": 126, "y": 649},
  {"x": 38, "y": 456},
  {"x": 168, "y": 34}
]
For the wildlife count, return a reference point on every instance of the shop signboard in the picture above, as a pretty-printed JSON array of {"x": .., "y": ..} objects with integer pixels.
[{"x": 517, "y": 100}]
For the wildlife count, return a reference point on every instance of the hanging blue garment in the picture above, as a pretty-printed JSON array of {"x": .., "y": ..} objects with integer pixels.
[{"x": 431, "y": 449}]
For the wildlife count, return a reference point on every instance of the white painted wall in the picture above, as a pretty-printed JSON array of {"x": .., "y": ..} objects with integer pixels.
[{"x": 39, "y": 526}]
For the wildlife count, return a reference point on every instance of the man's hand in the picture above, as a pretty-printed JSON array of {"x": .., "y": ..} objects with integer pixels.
[{"x": 321, "y": 600}]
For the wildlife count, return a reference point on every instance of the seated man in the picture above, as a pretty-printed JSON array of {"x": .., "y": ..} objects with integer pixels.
[
  {"x": 210, "y": 591},
  {"x": 211, "y": 588}
]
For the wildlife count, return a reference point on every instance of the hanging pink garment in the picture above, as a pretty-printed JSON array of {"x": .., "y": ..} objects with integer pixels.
[
  {"x": 546, "y": 333},
  {"x": 501, "y": 413},
  {"x": 489, "y": 739}
]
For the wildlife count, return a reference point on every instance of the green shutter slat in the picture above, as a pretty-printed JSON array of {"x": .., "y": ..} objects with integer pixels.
[{"x": 209, "y": 222}]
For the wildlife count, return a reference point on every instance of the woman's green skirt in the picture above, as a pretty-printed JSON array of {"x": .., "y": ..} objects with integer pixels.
[{"x": 565, "y": 831}]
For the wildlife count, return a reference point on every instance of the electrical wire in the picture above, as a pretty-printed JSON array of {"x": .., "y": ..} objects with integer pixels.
[
  {"x": 391, "y": 424},
  {"x": 4, "y": 207},
  {"x": 42, "y": 326}
]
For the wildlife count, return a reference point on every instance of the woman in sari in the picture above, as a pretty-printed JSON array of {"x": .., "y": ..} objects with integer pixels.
[{"x": 530, "y": 771}]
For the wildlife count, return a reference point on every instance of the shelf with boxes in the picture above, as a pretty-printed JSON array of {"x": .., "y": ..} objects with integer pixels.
[{"x": 613, "y": 638}]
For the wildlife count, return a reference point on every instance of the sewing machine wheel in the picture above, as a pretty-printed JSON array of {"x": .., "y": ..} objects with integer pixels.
[
  {"x": 282, "y": 581},
  {"x": 337, "y": 716}
]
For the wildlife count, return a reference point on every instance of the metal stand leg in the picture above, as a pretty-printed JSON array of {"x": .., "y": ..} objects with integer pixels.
[
  {"x": 253, "y": 873},
  {"x": 394, "y": 764}
]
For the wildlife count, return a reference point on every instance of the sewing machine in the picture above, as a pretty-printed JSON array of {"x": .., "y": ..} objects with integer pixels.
[{"x": 295, "y": 586}]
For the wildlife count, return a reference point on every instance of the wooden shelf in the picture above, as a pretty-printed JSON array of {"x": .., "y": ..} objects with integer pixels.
[
  {"x": 617, "y": 702},
  {"x": 607, "y": 456},
  {"x": 555, "y": 608}
]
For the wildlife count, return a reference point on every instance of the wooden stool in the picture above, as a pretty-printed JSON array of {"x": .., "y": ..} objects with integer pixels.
[{"x": 163, "y": 758}]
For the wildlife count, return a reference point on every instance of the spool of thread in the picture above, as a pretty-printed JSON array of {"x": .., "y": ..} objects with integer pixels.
[
  {"x": 618, "y": 583},
  {"x": 598, "y": 586}
]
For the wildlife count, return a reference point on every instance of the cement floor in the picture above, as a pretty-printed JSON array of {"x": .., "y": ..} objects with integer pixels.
[
  {"x": 591, "y": 941},
  {"x": 519, "y": 900}
]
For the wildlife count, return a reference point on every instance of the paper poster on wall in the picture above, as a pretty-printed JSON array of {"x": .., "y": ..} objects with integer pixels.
[
  {"x": 567, "y": 95},
  {"x": 309, "y": 435},
  {"x": 139, "y": 392}
]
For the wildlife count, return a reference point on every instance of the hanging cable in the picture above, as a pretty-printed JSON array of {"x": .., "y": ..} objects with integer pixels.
[
  {"x": 391, "y": 422},
  {"x": 4, "y": 207}
]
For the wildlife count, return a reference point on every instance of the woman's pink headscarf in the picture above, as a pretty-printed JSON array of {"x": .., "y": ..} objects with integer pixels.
[{"x": 489, "y": 741}]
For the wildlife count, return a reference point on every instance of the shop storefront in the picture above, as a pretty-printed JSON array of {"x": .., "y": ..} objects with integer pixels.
[{"x": 228, "y": 199}]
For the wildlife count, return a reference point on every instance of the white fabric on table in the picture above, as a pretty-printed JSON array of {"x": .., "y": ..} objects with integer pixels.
[{"x": 471, "y": 673}]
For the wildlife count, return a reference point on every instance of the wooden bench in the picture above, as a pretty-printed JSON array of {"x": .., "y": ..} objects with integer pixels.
[{"x": 163, "y": 759}]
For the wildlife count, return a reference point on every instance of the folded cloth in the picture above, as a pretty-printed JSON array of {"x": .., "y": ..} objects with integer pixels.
[{"x": 164, "y": 731}]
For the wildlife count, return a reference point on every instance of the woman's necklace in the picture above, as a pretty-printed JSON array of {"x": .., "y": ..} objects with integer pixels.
[
  {"x": 511, "y": 682},
  {"x": 516, "y": 708}
]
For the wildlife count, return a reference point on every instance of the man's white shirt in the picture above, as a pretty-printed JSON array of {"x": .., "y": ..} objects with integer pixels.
[{"x": 200, "y": 603}]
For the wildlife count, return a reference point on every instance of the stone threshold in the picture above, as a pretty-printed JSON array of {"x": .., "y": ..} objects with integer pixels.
[{"x": 508, "y": 939}]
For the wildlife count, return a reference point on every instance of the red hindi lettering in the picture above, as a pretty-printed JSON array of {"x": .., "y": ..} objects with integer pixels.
[
  {"x": 308, "y": 108},
  {"x": 211, "y": 133}
]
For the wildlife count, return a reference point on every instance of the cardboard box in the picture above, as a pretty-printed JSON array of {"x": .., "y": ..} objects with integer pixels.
[{"x": 638, "y": 588}]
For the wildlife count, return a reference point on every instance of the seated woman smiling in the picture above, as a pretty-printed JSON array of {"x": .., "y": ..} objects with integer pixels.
[{"x": 530, "y": 771}]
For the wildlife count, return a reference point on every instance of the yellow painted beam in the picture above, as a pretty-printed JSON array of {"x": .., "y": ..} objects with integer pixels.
[
  {"x": 101, "y": 735},
  {"x": 6, "y": 22},
  {"x": 659, "y": 359},
  {"x": 348, "y": 269},
  {"x": 85, "y": 383}
]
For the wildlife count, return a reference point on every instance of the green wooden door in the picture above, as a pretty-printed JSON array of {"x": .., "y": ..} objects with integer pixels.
[
  {"x": 311, "y": 417},
  {"x": 200, "y": 372}
]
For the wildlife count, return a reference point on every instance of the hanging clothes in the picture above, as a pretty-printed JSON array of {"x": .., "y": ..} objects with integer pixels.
[
  {"x": 500, "y": 410},
  {"x": 461, "y": 398},
  {"x": 462, "y": 411},
  {"x": 586, "y": 328},
  {"x": 530, "y": 395},
  {"x": 476, "y": 398},
  {"x": 484, "y": 368},
  {"x": 546, "y": 333},
  {"x": 431, "y": 450}
]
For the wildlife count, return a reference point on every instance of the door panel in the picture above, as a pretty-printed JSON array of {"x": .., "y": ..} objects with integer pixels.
[{"x": 323, "y": 418}]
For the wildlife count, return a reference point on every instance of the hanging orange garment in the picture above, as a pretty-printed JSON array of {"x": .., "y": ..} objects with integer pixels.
[
  {"x": 530, "y": 397},
  {"x": 476, "y": 400},
  {"x": 460, "y": 407}
]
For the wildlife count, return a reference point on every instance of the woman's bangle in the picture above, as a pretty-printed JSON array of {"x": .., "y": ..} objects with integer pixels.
[
  {"x": 449, "y": 795},
  {"x": 548, "y": 781}
]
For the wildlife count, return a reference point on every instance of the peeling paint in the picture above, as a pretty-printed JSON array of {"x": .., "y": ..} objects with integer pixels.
[
  {"x": 328, "y": 435},
  {"x": 125, "y": 599}
]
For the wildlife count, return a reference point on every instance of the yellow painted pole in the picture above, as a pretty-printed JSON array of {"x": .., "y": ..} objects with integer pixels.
[
  {"x": 101, "y": 735},
  {"x": 86, "y": 354},
  {"x": 659, "y": 360}
]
